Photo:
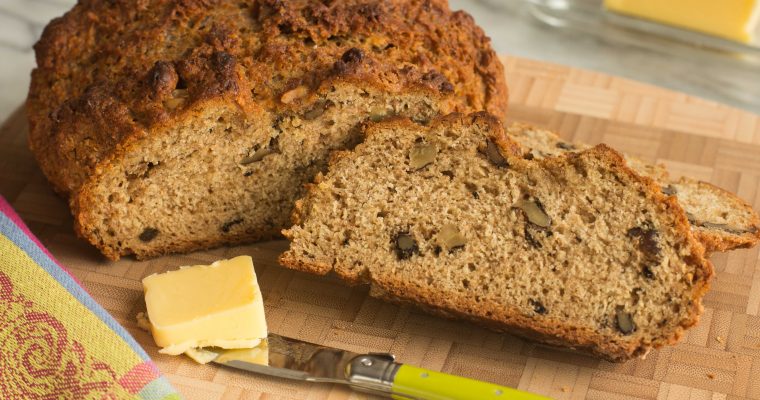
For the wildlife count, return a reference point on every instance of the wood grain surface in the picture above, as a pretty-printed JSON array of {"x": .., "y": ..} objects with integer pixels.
[{"x": 719, "y": 359}]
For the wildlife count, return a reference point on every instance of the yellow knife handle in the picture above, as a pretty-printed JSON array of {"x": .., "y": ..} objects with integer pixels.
[{"x": 422, "y": 384}]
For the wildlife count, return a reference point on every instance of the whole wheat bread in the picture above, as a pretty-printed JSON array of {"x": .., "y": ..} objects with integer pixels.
[
  {"x": 179, "y": 125},
  {"x": 576, "y": 250},
  {"x": 720, "y": 220}
]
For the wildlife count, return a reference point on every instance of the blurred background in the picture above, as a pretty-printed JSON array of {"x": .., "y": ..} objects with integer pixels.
[{"x": 576, "y": 33}]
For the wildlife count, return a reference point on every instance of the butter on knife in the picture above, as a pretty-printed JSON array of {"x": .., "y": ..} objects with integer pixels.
[{"x": 218, "y": 305}]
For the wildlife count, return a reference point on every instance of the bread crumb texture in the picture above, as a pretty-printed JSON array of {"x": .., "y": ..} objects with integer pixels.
[
  {"x": 719, "y": 219},
  {"x": 576, "y": 249},
  {"x": 175, "y": 125}
]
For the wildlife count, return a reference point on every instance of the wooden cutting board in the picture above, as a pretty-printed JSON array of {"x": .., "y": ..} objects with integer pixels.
[{"x": 719, "y": 359}]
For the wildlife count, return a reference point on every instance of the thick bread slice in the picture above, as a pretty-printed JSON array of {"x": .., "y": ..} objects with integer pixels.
[
  {"x": 179, "y": 125},
  {"x": 576, "y": 250},
  {"x": 720, "y": 220}
]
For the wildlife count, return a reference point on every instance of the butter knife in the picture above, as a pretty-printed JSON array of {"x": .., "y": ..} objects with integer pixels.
[{"x": 374, "y": 373}]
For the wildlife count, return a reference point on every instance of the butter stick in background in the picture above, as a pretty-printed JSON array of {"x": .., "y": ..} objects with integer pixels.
[
  {"x": 218, "y": 305},
  {"x": 737, "y": 20}
]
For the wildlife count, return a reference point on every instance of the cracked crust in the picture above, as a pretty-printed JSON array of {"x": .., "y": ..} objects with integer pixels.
[{"x": 110, "y": 72}]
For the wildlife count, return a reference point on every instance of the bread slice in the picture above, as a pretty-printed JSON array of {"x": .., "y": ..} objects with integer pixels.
[
  {"x": 720, "y": 220},
  {"x": 179, "y": 125},
  {"x": 576, "y": 250},
  {"x": 540, "y": 143}
]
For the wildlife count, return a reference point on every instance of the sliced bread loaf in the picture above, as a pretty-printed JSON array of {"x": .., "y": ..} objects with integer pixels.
[
  {"x": 576, "y": 250},
  {"x": 179, "y": 125},
  {"x": 719, "y": 219}
]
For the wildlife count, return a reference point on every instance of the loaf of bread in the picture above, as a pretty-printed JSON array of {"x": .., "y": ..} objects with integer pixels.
[
  {"x": 719, "y": 219},
  {"x": 180, "y": 125},
  {"x": 575, "y": 250}
]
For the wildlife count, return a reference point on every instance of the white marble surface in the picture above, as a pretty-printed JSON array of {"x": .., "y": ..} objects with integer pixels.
[{"x": 508, "y": 22}]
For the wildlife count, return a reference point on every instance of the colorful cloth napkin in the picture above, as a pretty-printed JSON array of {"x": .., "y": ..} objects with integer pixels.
[{"x": 56, "y": 342}]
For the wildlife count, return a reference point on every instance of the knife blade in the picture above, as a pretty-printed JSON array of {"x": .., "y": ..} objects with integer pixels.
[{"x": 374, "y": 373}]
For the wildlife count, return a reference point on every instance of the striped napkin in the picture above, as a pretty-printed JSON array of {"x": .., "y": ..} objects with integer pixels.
[{"x": 56, "y": 342}]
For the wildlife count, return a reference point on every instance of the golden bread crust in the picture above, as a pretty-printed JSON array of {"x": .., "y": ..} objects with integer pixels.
[{"x": 111, "y": 72}]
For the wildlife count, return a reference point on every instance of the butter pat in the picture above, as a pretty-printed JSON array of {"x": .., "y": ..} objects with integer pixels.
[
  {"x": 731, "y": 19},
  {"x": 217, "y": 305}
]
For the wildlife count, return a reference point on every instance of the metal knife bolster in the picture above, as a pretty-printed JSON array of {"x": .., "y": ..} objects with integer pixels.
[{"x": 372, "y": 373}]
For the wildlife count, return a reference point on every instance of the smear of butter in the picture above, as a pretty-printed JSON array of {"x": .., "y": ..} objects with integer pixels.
[
  {"x": 217, "y": 305},
  {"x": 202, "y": 356},
  {"x": 256, "y": 355}
]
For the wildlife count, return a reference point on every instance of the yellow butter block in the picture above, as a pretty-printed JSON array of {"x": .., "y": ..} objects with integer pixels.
[
  {"x": 731, "y": 19},
  {"x": 217, "y": 305}
]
